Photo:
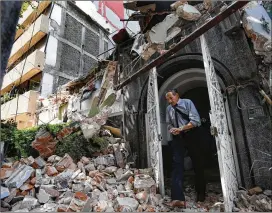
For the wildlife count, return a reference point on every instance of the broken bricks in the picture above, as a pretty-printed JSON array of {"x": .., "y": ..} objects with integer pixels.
[
  {"x": 44, "y": 143},
  {"x": 66, "y": 163},
  {"x": 19, "y": 176}
]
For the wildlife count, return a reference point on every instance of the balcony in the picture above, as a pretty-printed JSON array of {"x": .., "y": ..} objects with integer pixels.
[
  {"x": 26, "y": 105},
  {"x": 30, "y": 15},
  {"x": 29, "y": 38},
  {"x": 33, "y": 65}
]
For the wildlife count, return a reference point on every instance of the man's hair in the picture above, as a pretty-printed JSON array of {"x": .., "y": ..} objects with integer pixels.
[{"x": 174, "y": 91}]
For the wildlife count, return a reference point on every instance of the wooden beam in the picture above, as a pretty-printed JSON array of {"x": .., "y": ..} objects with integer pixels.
[{"x": 191, "y": 37}]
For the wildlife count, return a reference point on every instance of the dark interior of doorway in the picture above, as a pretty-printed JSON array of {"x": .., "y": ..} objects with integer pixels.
[{"x": 200, "y": 98}]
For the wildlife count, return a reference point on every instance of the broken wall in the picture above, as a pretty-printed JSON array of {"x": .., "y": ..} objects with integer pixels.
[
  {"x": 231, "y": 50},
  {"x": 73, "y": 43}
]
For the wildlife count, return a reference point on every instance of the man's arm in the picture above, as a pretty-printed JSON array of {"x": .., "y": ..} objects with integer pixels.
[
  {"x": 169, "y": 123},
  {"x": 193, "y": 115}
]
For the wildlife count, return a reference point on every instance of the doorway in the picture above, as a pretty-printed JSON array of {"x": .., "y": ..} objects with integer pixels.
[
  {"x": 191, "y": 84},
  {"x": 187, "y": 72}
]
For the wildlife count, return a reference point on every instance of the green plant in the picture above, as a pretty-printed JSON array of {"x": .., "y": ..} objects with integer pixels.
[
  {"x": 75, "y": 145},
  {"x": 23, "y": 140},
  {"x": 19, "y": 141},
  {"x": 55, "y": 128},
  {"x": 25, "y": 5},
  {"x": 5, "y": 98},
  {"x": 7, "y": 136}
]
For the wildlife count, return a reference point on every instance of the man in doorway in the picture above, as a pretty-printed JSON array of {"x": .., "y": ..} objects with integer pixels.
[{"x": 184, "y": 124}]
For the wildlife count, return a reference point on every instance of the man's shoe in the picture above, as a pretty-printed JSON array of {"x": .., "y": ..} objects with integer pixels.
[
  {"x": 176, "y": 203},
  {"x": 200, "y": 197}
]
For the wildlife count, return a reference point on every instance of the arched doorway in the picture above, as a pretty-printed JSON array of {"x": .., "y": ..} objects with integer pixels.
[
  {"x": 191, "y": 84},
  {"x": 188, "y": 76}
]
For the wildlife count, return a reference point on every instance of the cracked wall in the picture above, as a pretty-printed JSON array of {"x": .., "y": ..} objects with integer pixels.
[
  {"x": 231, "y": 50},
  {"x": 72, "y": 46}
]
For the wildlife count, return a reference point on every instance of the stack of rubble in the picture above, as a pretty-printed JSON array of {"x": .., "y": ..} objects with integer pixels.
[
  {"x": 93, "y": 184},
  {"x": 255, "y": 200}
]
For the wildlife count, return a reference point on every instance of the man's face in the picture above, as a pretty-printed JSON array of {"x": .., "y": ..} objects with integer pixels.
[{"x": 172, "y": 99}]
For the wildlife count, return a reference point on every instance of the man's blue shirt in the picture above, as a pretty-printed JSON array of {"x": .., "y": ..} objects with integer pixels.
[{"x": 187, "y": 107}]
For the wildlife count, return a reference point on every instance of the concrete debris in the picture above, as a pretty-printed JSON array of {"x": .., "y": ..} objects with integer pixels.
[
  {"x": 70, "y": 188},
  {"x": 252, "y": 200},
  {"x": 137, "y": 47},
  {"x": 172, "y": 33},
  {"x": 42, "y": 196},
  {"x": 143, "y": 182},
  {"x": 268, "y": 193},
  {"x": 257, "y": 25},
  {"x": 85, "y": 160},
  {"x": 66, "y": 163},
  {"x": 207, "y": 4},
  {"x": 5, "y": 173},
  {"x": 188, "y": 12},
  {"x": 158, "y": 33},
  {"x": 19, "y": 176},
  {"x": 255, "y": 190},
  {"x": 110, "y": 170},
  {"x": 29, "y": 203},
  {"x": 39, "y": 163},
  {"x": 4, "y": 192},
  {"x": 175, "y": 5},
  {"x": 51, "y": 171}
]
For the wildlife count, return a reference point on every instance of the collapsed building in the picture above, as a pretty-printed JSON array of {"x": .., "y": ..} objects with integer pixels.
[
  {"x": 218, "y": 59},
  {"x": 224, "y": 71},
  {"x": 218, "y": 54}
]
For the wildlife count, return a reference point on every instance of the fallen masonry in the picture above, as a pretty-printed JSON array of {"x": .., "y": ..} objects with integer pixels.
[
  {"x": 93, "y": 184},
  {"x": 55, "y": 185}
]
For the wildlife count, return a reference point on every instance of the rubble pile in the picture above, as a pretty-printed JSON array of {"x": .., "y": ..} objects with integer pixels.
[
  {"x": 101, "y": 184},
  {"x": 255, "y": 200}
]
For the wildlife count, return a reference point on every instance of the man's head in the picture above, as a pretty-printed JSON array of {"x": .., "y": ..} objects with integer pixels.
[{"x": 172, "y": 96}]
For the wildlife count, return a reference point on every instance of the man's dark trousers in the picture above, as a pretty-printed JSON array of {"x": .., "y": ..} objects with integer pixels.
[{"x": 191, "y": 141}]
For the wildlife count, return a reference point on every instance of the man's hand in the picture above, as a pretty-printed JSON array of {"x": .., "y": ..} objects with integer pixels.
[{"x": 175, "y": 131}]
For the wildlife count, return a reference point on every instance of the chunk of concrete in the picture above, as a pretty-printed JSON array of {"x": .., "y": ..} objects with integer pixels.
[
  {"x": 101, "y": 206},
  {"x": 257, "y": 25},
  {"x": 85, "y": 160},
  {"x": 255, "y": 190},
  {"x": 125, "y": 176},
  {"x": 188, "y": 12},
  {"x": 127, "y": 201},
  {"x": 90, "y": 167},
  {"x": 65, "y": 163},
  {"x": 29, "y": 202},
  {"x": 158, "y": 33},
  {"x": 4, "y": 192},
  {"x": 268, "y": 193},
  {"x": 40, "y": 162},
  {"x": 13, "y": 193},
  {"x": 142, "y": 197},
  {"x": 143, "y": 182},
  {"x": 19, "y": 176},
  {"x": 22, "y": 210},
  {"x": 43, "y": 197}
]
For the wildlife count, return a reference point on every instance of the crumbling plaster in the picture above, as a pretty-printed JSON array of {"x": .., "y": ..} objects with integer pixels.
[
  {"x": 72, "y": 46},
  {"x": 235, "y": 58}
]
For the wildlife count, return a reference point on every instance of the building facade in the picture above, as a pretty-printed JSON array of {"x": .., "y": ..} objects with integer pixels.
[
  {"x": 237, "y": 67},
  {"x": 55, "y": 43}
]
